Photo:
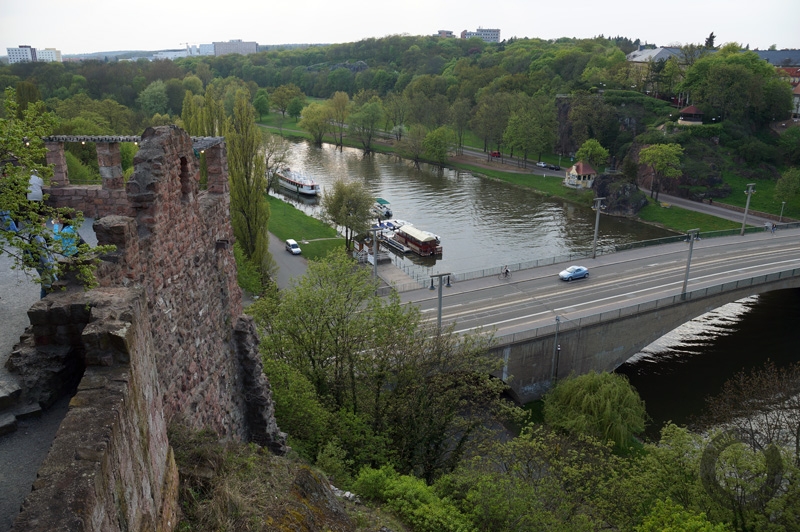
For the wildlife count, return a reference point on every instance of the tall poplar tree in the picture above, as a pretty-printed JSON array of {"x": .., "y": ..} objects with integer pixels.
[{"x": 248, "y": 183}]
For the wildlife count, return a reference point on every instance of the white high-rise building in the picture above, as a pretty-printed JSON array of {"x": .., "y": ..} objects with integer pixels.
[
  {"x": 21, "y": 54},
  {"x": 49, "y": 55}
]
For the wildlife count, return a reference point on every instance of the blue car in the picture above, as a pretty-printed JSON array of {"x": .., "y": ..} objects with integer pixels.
[{"x": 574, "y": 272}]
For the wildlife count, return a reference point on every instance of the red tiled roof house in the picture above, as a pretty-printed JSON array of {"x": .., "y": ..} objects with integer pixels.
[{"x": 580, "y": 175}]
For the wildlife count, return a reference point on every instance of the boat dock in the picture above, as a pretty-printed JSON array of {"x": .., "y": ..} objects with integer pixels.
[{"x": 394, "y": 244}]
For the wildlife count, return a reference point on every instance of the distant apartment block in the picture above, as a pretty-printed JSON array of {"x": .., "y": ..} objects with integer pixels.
[
  {"x": 29, "y": 54},
  {"x": 21, "y": 54},
  {"x": 447, "y": 34},
  {"x": 49, "y": 55},
  {"x": 486, "y": 34},
  {"x": 235, "y": 47}
]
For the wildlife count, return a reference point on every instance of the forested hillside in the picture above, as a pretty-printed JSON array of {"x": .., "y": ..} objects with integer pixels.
[{"x": 528, "y": 97}]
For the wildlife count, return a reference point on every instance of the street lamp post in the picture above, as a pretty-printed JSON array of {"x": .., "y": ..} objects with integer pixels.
[
  {"x": 556, "y": 355},
  {"x": 374, "y": 231},
  {"x": 750, "y": 191},
  {"x": 783, "y": 204},
  {"x": 692, "y": 234},
  {"x": 439, "y": 314},
  {"x": 597, "y": 204}
]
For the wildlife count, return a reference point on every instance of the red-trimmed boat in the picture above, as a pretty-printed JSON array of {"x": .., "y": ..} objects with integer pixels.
[{"x": 422, "y": 243}]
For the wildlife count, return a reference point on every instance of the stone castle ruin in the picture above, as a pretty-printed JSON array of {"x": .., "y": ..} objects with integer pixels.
[{"x": 162, "y": 339}]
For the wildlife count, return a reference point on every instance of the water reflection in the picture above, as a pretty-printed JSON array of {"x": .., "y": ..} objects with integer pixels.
[
  {"x": 675, "y": 374},
  {"x": 482, "y": 223}
]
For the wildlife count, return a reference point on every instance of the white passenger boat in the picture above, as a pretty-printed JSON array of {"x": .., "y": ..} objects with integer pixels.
[{"x": 297, "y": 182}]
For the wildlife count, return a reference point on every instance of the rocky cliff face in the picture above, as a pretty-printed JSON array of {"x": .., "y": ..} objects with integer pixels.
[{"x": 622, "y": 198}]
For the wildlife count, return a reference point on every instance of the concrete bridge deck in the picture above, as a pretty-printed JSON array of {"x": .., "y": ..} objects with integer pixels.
[{"x": 631, "y": 299}]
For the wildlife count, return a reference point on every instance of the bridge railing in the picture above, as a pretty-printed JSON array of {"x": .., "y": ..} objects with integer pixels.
[
  {"x": 583, "y": 254},
  {"x": 566, "y": 324}
]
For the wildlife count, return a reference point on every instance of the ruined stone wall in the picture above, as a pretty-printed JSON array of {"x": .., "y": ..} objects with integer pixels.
[
  {"x": 186, "y": 267},
  {"x": 110, "y": 467},
  {"x": 161, "y": 340}
]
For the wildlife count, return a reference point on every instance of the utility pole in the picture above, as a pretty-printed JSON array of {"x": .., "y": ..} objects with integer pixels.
[
  {"x": 374, "y": 231},
  {"x": 750, "y": 191},
  {"x": 692, "y": 235},
  {"x": 597, "y": 206},
  {"x": 439, "y": 315},
  {"x": 556, "y": 356}
]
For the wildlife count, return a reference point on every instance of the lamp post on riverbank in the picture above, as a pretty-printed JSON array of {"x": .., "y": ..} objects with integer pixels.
[
  {"x": 749, "y": 192},
  {"x": 597, "y": 207},
  {"x": 783, "y": 204},
  {"x": 556, "y": 356},
  {"x": 692, "y": 234},
  {"x": 439, "y": 314}
]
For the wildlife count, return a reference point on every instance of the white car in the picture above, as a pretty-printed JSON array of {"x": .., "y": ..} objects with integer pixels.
[
  {"x": 292, "y": 247},
  {"x": 541, "y": 164}
]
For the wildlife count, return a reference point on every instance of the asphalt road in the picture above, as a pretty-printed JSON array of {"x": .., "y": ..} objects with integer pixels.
[
  {"x": 533, "y": 297},
  {"x": 290, "y": 267}
]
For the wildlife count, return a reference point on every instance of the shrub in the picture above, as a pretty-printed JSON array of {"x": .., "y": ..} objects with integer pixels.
[{"x": 79, "y": 173}]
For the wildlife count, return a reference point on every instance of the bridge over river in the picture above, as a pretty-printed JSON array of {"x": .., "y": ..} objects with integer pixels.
[{"x": 547, "y": 328}]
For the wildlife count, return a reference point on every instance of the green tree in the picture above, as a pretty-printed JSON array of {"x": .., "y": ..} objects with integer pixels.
[
  {"x": 276, "y": 153},
  {"x": 348, "y": 205},
  {"x": 460, "y": 114},
  {"x": 364, "y": 123},
  {"x": 295, "y": 108},
  {"x": 154, "y": 99},
  {"x": 491, "y": 118},
  {"x": 790, "y": 145},
  {"x": 316, "y": 121},
  {"x": 710, "y": 41},
  {"x": 664, "y": 161},
  {"x": 423, "y": 396},
  {"x": 395, "y": 108},
  {"x": 438, "y": 144},
  {"x": 22, "y": 226},
  {"x": 248, "y": 184},
  {"x": 175, "y": 95},
  {"x": 27, "y": 93},
  {"x": 282, "y": 96},
  {"x": 340, "y": 110},
  {"x": 193, "y": 84},
  {"x": 601, "y": 405},
  {"x": 593, "y": 153},
  {"x": 666, "y": 516},
  {"x": 412, "y": 145},
  {"x": 788, "y": 185}
]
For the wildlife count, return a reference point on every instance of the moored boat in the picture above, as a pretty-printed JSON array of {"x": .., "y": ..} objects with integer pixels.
[
  {"x": 297, "y": 182},
  {"x": 381, "y": 208},
  {"x": 423, "y": 243}
]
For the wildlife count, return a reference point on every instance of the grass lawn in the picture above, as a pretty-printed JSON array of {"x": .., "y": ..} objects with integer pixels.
[
  {"x": 315, "y": 237},
  {"x": 682, "y": 219},
  {"x": 763, "y": 200},
  {"x": 546, "y": 185}
]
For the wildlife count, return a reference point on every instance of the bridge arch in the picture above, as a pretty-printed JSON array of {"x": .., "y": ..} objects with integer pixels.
[{"x": 602, "y": 342}]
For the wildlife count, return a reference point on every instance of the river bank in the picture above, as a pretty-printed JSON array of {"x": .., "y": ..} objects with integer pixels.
[{"x": 670, "y": 213}]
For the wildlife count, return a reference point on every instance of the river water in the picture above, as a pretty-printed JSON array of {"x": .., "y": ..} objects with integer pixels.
[{"x": 484, "y": 224}]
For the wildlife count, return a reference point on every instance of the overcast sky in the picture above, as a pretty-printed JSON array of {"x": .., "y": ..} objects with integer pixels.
[{"x": 83, "y": 26}]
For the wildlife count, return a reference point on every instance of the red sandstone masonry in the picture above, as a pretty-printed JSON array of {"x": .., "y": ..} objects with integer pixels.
[{"x": 158, "y": 346}]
